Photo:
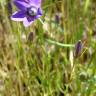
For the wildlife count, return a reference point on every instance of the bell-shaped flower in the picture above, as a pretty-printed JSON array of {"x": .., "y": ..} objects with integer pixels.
[{"x": 29, "y": 10}]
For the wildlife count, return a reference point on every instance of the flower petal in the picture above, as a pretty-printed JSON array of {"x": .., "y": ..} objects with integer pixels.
[
  {"x": 31, "y": 19},
  {"x": 39, "y": 11},
  {"x": 39, "y": 14},
  {"x": 26, "y": 22},
  {"x": 21, "y": 4},
  {"x": 26, "y": 1},
  {"x": 36, "y": 3},
  {"x": 18, "y": 16}
]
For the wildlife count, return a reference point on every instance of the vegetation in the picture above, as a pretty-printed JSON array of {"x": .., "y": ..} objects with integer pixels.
[{"x": 55, "y": 56}]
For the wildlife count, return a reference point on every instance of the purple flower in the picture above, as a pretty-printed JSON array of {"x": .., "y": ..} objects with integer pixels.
[
  {"x": 78, "y": 48},
  {"x": 29, "y": 10}
]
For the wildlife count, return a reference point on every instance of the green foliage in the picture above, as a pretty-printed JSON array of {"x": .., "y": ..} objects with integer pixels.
[{"x": 40, "y": 60}]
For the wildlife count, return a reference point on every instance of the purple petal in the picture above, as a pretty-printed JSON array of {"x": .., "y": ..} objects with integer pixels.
[
  {"x": 39, "y": 14},
  {"x": 26, "y": 1},
  {"x": 39, "y": 11},
  {"x": 18, "y": 16},
  {"x": 26, "y": 22},
  {"x": 30, "y": 18},
  {"x": 21, "y": 4},
  {"x": 20, "y": 0},
  {"x": 36, "y": 3}
]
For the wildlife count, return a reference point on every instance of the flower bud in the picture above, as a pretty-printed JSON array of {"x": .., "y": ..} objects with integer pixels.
[
  {"x": 78, "y": 49},
  {"x": 31, "y": 36}
]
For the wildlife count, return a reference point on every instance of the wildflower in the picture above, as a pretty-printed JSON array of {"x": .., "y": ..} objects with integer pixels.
[
  {"x": 29, "y": 10},
  {"x": 78, "y": 48}
]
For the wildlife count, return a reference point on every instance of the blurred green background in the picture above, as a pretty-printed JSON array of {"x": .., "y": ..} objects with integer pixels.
[{"x": 53, "y": 58}]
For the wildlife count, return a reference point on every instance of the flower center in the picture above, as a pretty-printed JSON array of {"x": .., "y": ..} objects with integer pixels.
[{"x": 32, "y": 11}]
